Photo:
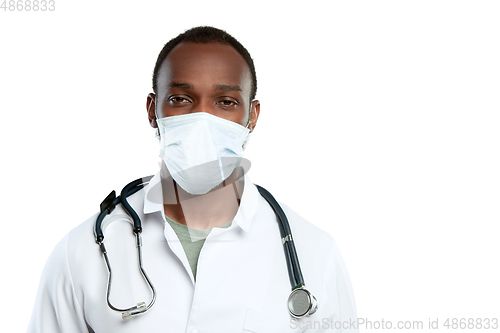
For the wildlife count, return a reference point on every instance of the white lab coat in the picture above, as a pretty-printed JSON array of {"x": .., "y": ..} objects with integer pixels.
[{"x": 242, "y": 282}]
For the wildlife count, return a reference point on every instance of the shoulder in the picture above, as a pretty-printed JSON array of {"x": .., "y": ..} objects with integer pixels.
[
  {"x": 81, "y": 238},
  {"x": 316, "y": 246},
  {"x": 59, "y": 257},
  {"x": 324, "y": 269},
  {"x": 71, "y": 253},
  {"x": 306, "y": 232}
]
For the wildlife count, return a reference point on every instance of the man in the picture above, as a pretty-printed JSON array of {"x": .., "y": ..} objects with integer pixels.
[{"x": 211, "y": 244}]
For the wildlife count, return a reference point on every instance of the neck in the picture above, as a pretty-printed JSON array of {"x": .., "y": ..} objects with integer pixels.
[{"x": 210, "y": 210}]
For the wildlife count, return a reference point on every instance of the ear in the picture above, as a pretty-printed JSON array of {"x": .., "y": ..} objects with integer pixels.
[
  {"x": 151, "y": 108},
  {"x": 254, "y": 111}
]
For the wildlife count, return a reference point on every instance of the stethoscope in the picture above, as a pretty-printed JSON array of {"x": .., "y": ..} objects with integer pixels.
[{"x": 300, "y": 302}]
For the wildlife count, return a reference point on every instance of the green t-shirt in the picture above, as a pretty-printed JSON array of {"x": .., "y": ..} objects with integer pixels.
[{"x": 192, "y": 240}]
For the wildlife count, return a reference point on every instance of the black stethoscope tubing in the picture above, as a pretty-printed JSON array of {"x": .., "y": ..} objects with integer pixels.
[
  {"x": 109, "y": 204},
  {"x": 294, "y": 271}
]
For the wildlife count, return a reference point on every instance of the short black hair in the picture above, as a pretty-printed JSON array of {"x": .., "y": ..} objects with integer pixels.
[{"x": 205, "y": 35}]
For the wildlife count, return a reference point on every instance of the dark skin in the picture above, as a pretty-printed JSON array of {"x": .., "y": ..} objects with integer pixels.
[{"x": 212, "y": 78}]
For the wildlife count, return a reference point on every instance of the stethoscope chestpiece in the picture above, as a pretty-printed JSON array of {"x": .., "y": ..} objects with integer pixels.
[{"x": 301, "y": 303}]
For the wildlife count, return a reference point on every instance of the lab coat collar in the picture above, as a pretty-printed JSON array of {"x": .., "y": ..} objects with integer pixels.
[{"x": 243, "y": 218}]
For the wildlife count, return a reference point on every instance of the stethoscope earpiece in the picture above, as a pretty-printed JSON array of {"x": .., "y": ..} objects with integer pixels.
[{"x": 139, "y": 308}]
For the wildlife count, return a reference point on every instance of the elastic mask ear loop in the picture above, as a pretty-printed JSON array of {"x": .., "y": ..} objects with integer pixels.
[
  {"x": 156, "y": 114},
  {"x": 149, "y": 107},
  {"x": 249, "y": 116},
  {"x": 158, "y": 134},
  {"x": 156, "y": 103},
  {"x": 243, "y": 146}
]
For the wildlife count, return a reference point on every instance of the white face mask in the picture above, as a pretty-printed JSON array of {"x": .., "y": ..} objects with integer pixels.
[{"x": 200, "y": 150}]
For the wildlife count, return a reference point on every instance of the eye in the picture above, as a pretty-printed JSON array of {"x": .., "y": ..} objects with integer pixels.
[
  {"x": 178, "y": 100},
  {"x": 228, "y": 102}
]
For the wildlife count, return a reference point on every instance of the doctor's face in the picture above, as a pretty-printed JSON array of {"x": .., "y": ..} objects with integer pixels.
[{"x": 212, "y": 78}]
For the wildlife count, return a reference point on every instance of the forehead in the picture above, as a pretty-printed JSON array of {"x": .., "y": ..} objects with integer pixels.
[{"x": 208, "y": 63}]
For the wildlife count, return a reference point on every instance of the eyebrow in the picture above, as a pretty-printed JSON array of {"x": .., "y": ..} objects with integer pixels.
[
  {"x": 181, "y": 85},
  {"x": 227, "y": 87},
  {"x": 224, "y": 87}
]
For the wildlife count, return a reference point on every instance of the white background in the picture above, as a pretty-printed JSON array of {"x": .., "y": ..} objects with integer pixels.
[{"x": 379, "y": 123}]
